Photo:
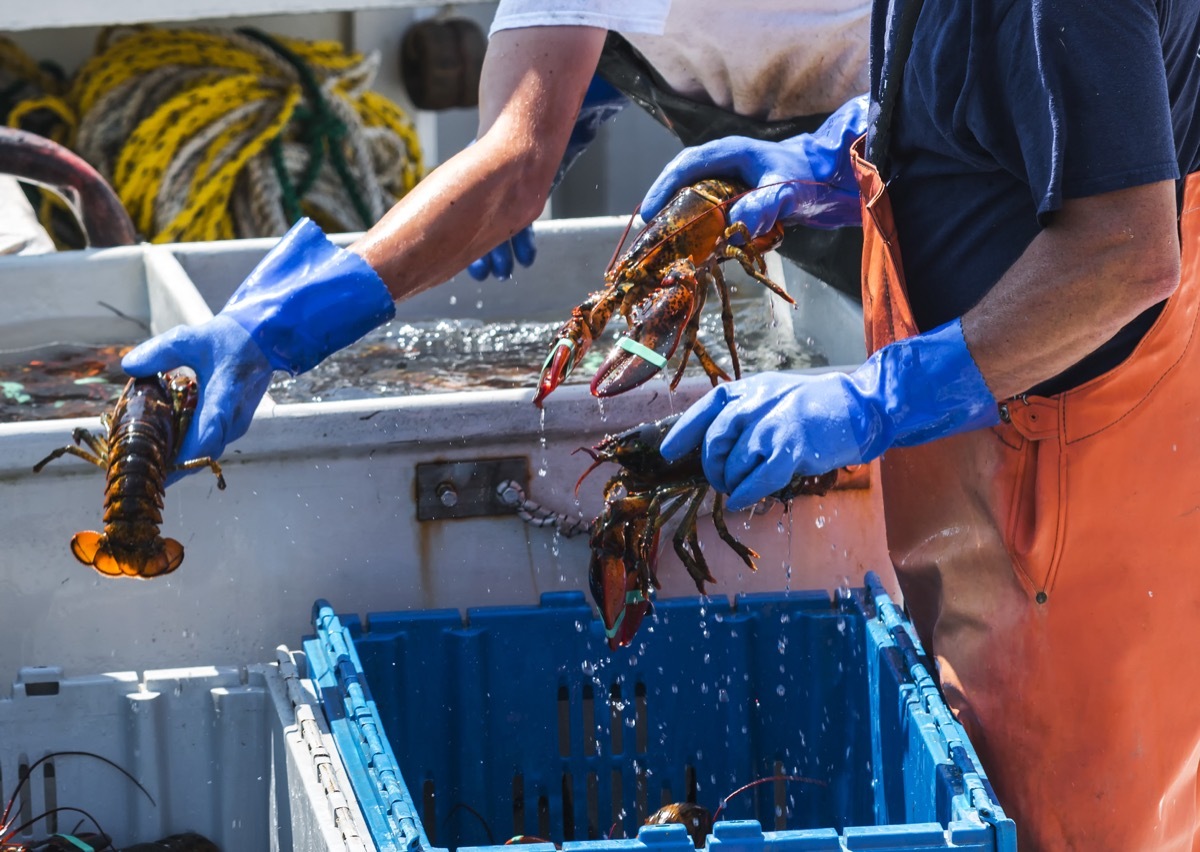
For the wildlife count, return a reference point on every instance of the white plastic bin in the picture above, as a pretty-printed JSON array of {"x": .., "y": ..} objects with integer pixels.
[{"x": 236, "y": 754}]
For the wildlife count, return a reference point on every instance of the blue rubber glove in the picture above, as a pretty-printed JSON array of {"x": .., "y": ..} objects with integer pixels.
[
  {"x": 305, "y": 300},
  {"x": 805, "y": 180},
  {"x": 757, "y": 433},
  {"x": 499, "y": 261},
  {"x": 601, "y": 103}
]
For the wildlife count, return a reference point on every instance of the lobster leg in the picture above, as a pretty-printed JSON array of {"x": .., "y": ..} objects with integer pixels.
[
  {"x": 687, "y": 543},
  {"x": 710, "y": 366},
  {"x": 75, "y": 451},
  {"x": 193, "y": 464},
  {"x": 718, "y": 515},
  {"x": 727, "y": 319},
  {"x": 752, "y": 261}
]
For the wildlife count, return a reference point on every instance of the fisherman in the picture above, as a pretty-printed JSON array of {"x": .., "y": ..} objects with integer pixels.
[
  {"x": 1030, "y": 190},
  {"x": 718, "y": 68}
]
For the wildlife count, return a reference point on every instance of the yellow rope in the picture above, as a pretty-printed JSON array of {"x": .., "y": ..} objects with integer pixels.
[{"x": 208, "y": 134}]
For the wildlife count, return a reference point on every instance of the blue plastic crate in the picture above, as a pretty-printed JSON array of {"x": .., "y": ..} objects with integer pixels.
[{"x": 519, "y": 721}]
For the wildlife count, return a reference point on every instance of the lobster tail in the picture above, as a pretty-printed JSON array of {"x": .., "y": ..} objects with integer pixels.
[{"x": 95, "y": 549}]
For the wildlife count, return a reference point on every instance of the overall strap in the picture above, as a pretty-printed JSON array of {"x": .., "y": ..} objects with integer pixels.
[{"x": 895, "y": 57}]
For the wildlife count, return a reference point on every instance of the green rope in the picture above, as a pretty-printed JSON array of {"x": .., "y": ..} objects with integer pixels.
[
  {"x": 291, "y": 199},
  {"x": 324, "y": 130}
]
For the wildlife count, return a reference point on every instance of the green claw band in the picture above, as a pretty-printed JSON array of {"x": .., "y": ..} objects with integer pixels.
[
  {"x": 630, "y": 597},
  {"x": 562, "y": 341},
  {"x": 75, "y": 841},
  {"x": 644, "y": 352}
]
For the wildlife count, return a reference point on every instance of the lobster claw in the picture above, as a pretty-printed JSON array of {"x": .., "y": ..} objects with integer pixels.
[
  {"x": 660, "y": 322},
  {"x": 574, "y": 340},
  {"x": 620, "y": 573}
]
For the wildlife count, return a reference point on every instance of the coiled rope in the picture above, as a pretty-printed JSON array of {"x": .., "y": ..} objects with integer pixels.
[{"x": 210, "y": 135}]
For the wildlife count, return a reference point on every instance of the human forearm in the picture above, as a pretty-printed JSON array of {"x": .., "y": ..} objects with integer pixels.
[
  {"x": 461, "y": 210},
  {"x": 1099, "y": 264},
  {"x": 533, "y": 83}
]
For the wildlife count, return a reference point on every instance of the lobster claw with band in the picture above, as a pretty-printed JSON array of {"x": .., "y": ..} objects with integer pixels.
[
  {"x": 662, "y": 320},
  {"x": 622, "y": 568}
]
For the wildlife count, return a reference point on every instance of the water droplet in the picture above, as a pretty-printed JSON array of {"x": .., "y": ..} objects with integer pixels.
[{"x": 820, "y": 521}]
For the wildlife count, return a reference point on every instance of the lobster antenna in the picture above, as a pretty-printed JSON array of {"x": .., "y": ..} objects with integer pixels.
[
  {"x": 477, "y": 815},
  {"x": 29, "y": 771},
  {"x": 617, "y": 251},
  {"x": 596, "y": 462},
  {"x": 746, "y": 787}
]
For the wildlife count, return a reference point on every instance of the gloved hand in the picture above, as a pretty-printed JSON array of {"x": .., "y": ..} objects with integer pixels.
[
  {"x": 601, "y": 103},
  {"x": 759, "y": 432},
  {"x": 305, "y": 300},
  {"x": 499, "y": 261},
  {"x": 805, "y": 180}
]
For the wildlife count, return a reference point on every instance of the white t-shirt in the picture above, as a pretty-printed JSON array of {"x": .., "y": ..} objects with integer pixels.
[{"x": 767, "y": 59}]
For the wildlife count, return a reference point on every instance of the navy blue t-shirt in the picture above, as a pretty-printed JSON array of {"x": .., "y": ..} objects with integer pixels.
[{"x": 1007, "y": 107}]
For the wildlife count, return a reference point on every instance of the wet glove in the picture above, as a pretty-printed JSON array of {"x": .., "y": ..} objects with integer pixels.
[
  {"x": 305, "y": 300},
  {"x": 757, "y": 433},
  {"x": 601, "y": 103},
  {"x": 805, "y": 180}
]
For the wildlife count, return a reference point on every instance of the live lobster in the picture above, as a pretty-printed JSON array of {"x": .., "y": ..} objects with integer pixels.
[
  {"x": 142, "y": 438},
  {"x": 638, "y": 501},
  {"x": 660, "y": 286}
]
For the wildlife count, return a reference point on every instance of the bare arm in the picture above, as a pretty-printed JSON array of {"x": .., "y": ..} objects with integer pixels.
[
  {"x": 1100, "y": 263},
  {"x": 533, "y": 82}
]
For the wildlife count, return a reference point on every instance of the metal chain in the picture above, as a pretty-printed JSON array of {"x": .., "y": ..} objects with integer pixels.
[{"x": 512, "y": 494}]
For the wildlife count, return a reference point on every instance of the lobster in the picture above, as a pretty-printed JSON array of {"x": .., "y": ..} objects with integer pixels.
[
  {"x": 142, "y": 437},
  {"x": 638, "y": 501},
  {"x": 660, "y": 286},
  {"x": 699, "y": 820}
]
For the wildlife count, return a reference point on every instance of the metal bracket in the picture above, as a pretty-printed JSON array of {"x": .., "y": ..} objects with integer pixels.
[{"x": 467, "y": 489}]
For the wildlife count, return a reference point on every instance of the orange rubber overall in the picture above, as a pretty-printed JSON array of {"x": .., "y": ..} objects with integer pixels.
[{"x": 1050, "y": 566}]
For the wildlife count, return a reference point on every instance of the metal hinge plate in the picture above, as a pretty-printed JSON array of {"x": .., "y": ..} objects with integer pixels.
[{"x": 467, "y": 489}]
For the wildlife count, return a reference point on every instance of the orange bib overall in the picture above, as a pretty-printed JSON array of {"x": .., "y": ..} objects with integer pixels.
[{"x": 1050, "y": 566}]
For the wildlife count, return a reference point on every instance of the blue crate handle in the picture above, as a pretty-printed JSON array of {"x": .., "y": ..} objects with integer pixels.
[{"x": 334, "y": 666}]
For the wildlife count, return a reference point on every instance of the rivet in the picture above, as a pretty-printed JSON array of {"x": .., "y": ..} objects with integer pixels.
[{"x": 1041, "y": 597}]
